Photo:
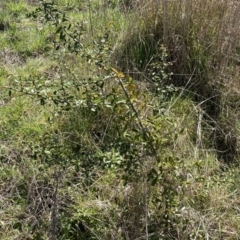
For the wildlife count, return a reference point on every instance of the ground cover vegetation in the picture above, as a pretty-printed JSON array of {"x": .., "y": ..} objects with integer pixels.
[{"x": 119, "y": 119}]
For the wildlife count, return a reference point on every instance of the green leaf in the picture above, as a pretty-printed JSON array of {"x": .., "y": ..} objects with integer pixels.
[
  {"x": 59, "y": 29},
  {"x": 42, "y": 101}
]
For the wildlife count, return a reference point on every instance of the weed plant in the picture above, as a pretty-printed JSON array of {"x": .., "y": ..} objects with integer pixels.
[{"x": 100, "y": 138}]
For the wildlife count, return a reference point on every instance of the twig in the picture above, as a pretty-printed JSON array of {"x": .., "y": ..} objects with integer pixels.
[
  {"x": 143, "y": 129},
  {"x": 54, "y": 217}
]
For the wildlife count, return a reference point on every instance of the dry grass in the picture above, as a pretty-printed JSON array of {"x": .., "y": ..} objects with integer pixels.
[
  {"x": 192, "y": 197},
  {"x": 201, "y": 38}
]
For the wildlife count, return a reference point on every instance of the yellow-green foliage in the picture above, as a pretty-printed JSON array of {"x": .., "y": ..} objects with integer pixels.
[{"x": 102, "y": 144}]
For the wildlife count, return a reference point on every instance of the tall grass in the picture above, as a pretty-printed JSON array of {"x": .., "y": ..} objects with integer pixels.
[
  {"x": 66, "y": 172},
  {"x": 202, "y": 42},
  {"x": 201, "y": 38}
]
